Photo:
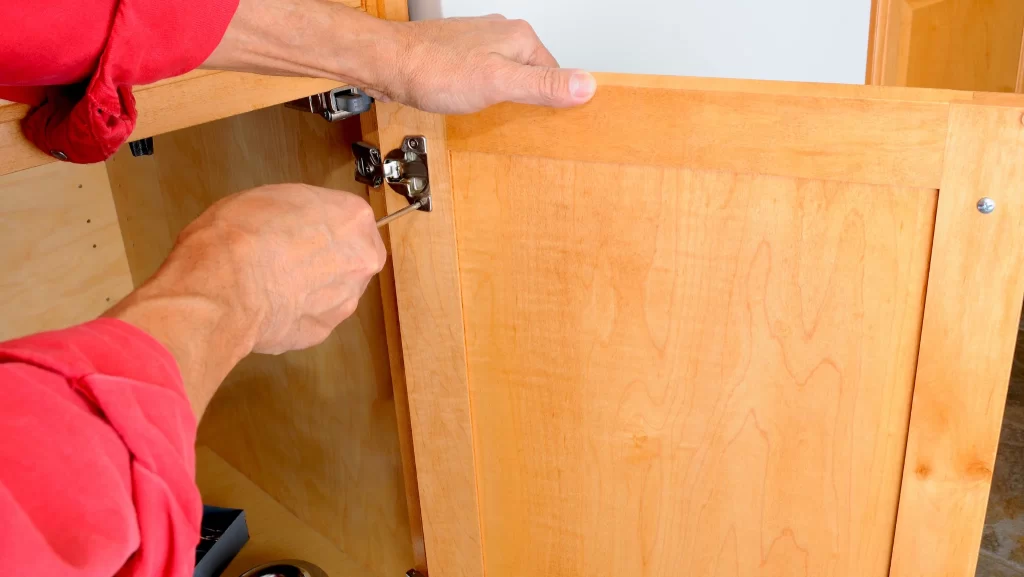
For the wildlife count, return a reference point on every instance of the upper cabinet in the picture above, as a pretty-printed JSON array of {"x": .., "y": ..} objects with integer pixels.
[
  {"x": 709, "y": 327},
  {"x": 194, "y": 98},
  {"x": 958, "y": 44}
]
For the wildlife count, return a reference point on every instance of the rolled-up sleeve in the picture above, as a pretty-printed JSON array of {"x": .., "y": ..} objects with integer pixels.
[
  {"x": 97, "y": 459},
  {"x": 88, "y": 54}
]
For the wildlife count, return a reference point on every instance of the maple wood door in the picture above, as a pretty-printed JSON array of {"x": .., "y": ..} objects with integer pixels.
[
  {"x": 959, "y": 44},
  {"x": 678, "y": 330}
]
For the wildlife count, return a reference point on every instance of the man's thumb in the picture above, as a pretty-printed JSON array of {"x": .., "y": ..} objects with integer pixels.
[{"x": 559, "y": 87}]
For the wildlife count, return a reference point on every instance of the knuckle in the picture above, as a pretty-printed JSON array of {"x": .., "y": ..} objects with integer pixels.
[
  {"x": 522, "y": 30},
  {"x": 382, "y": 256},
  {"x": 363, "y": 211},
  {"x": 319, "y": 336},
  {"x": 549, "y": 84},
  {"x": 371, "y": 263},
  {"x": 499, "y": 80},
  {"x": 347, "y": 309}
]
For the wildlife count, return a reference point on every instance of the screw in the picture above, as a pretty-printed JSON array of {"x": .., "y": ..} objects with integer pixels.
[
  {"x": 374, "y": 156},
  {"x": 326, "y": 115},
  {"x": 986, "y": 205}
]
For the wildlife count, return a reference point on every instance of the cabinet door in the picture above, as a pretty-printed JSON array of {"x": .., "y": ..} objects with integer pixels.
[
  {"x": 678, "y": 330},
  {"x": 959, "y": 44}
]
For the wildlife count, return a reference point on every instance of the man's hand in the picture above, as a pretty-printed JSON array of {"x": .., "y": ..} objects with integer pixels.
[
  {"x": 462, "y": 65},
  {"x": 269, "y": 270},
  {"x": 458, "y": 65}
]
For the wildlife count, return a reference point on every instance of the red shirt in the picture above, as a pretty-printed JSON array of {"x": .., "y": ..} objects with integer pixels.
[
  {"x": 76, "y": 60},
  {"x": 97, "y": 457}
]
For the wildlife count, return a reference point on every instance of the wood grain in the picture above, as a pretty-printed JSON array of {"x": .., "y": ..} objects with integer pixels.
[
  {"x": 315, "y": 429},
  {"x": 63, "y": 259},
  {"x": 678, "y": 360},
  {"x": 397, "y": 10},
  {"x": 817, "y": 137},
  {"x": 971, "y": 318},
  {"x": 389, "y": 303},
  {"x": 274, "y": 532},
  {"x": 430, "y": 315},
  {"x": 680, "y": 371},
  {"x": 959, "y": 44}
]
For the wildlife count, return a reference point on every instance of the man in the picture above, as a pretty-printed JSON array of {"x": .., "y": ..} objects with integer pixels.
[{"x": 97, "y": 422}]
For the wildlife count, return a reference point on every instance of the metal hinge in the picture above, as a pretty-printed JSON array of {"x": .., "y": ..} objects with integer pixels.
[
  {"x": 404, "y": 169},
  {"x": 336, "y": 104}
]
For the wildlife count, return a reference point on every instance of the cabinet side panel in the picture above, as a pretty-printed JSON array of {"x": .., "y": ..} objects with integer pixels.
[
  {"x": 686, "y": 371},
  {"x": 63, "y": 261},
  {"x": 315, "y": 429},
  {"x": 971, "y": 318}
]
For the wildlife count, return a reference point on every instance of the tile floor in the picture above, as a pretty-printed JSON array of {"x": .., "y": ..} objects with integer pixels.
[{"x": 1002, "y": 543}]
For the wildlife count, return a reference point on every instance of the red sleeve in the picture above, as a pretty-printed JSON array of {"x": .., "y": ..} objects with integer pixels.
[
  {"x": 97, "y": 462},
  {"x": 101, "y": 48}
]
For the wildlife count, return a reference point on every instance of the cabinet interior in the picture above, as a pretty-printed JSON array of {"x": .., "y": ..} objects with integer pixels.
[{"x": 316, "y": 430}]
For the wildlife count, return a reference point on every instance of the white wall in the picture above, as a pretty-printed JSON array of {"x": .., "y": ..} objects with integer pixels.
[{"x": 809, "y": 40}]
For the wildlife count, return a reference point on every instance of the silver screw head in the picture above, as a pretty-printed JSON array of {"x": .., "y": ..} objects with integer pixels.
[{"x": 986, "y": 205}]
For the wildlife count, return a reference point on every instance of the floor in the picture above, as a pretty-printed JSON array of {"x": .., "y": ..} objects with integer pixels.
[{"x": 1002, "y": 543}]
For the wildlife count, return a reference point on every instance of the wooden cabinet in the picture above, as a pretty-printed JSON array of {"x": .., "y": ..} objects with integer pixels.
[
  {"x": 959, "y": 44},
  {"x": 697, "y": 326}
]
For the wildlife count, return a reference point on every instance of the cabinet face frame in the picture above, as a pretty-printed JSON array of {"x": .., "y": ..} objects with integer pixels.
[{"x": 971, "y": 312}]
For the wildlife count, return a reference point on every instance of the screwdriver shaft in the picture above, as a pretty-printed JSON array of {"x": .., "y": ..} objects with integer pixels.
[{"x": 396, "y": 215}]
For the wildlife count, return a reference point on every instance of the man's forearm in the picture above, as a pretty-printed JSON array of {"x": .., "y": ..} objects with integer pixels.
[
  {"x": 457, "y": 65},
  {"x": 315, "y": 38},
  {"x": 200, "y": 334},
  {"x": 199, "y": 307}
]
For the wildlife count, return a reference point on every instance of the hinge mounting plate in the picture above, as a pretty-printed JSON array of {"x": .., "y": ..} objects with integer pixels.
[{"x": 335, "y": 104}]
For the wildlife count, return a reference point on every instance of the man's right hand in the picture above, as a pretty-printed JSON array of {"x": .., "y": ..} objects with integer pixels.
[
  {"x": 268, "y": 270},
  {"x": 300, "y": 257}
]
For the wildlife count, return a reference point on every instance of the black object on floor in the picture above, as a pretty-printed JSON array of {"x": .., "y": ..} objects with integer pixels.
[
  {"x": 222, "y": 535},
  {"x": 141, "y": 147}
]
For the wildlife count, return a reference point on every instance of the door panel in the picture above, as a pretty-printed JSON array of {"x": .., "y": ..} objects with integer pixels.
[
  {"x": 678, "y": 329},
  {"x": 677, "y": 370},
  {"x": 959, "y": 44}
]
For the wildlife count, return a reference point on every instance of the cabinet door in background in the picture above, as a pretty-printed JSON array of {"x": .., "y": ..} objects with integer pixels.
[{"x": 958, "y": 44}]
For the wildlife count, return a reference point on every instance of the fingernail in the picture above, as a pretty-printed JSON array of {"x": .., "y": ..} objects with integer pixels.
[{"x": 582, "y": 85}]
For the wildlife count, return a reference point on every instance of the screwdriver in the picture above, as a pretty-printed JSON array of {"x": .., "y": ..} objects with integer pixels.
[{"x": 396, "y": 215}]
